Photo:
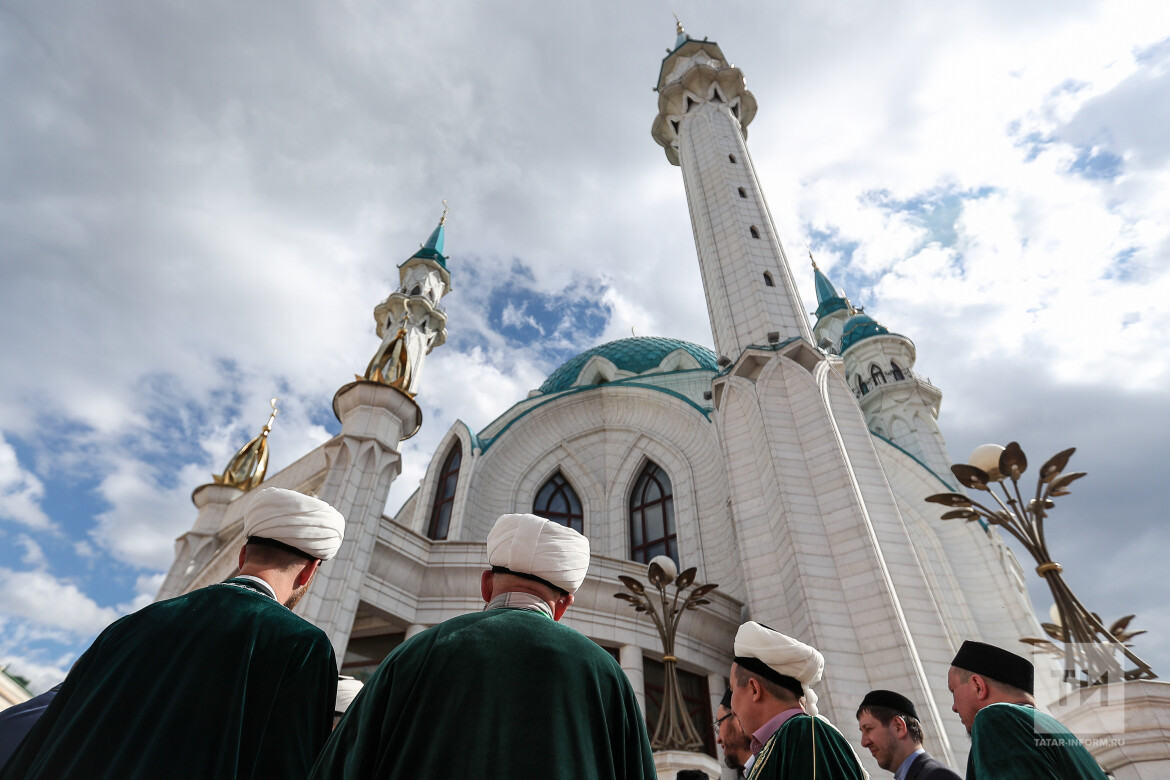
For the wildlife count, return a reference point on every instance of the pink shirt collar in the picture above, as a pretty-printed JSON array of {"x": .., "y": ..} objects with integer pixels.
[{"x": 765, "y": 732}]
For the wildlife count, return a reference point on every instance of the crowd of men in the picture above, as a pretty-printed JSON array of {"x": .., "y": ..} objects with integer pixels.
[{"x": 227, "y": 682}]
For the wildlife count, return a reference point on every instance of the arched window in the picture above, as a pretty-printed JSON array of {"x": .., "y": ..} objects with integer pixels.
[
  {"x": 875, "y": 374},
  {"x": 742, "y": 192},
  {"x": 755, "y": 233},
  {"x": 652, "y": 516},
  {"x": 896, "y": 371},
  {"x": 862, "y": 387},
  {"x": 445, "y": 494},
  {"x": 732, "y": 158},
  {"x": 557, "y": 501},
  {"x": 768, "y": 279},
  {"x": 416, "y": 290}
]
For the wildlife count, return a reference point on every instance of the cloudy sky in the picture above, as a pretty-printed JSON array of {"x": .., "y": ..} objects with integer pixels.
[{"x": 202, "y": 202}]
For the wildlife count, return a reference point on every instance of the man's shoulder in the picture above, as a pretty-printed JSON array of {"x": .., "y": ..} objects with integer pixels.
[
  {"x": 927, "y": 767},
  {"x": 239, "y": 601}
]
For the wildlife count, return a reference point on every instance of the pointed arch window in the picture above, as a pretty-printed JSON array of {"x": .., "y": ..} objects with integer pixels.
[
  {"x": 862, "y": 387},
  {"x": 557, "y": 501},
  {"x": 896, "y": 370},
  {"x": 742, "y": 192},
  {"x": 875, "y": 374},
  {"x": 755, "y": 233},
  {"x": 445, "y": 494},
  {"x": 768, "y": 280},
  {"x": 731, "y": 157},
  {"x": 652, "y": 516}
]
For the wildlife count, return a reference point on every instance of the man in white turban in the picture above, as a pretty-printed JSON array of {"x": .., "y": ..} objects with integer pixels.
[
  {"x": 771, "y": 694},
  {"x": 222, "y": 682},
  {"x": 508, "y": 692}
]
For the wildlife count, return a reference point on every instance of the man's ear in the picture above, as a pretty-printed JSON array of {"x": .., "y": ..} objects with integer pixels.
[
  {"x": 982, "y": 687},
  {"x": 305, "y": 575},
  {"x": 486, "y": 585},
  {"x": 899, "y": 724},
  {"x": 562, "y": 604},
  {"x": 243, "y": 555},
  {"x": 755, "y": 689}
]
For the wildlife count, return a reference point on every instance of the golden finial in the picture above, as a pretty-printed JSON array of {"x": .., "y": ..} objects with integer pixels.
[
  {"x": 633, "y": 332},
  {"x": 446, "y": 208},
  {"x": 247, "y": 468}
]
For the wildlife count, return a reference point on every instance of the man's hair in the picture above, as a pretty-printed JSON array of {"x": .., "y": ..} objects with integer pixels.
[
  {"x": 265, "y": 555},
  {"x": 884, "y": 715},
  {"x": 1009, "y": 691},
  {"x": 743, "y": 674}
]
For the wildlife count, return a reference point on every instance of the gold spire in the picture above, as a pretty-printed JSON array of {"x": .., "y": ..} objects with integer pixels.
[
  {"x": 446, "y": 208},
  {"x": 678, "y": 25},
  {"x": 247, "y": 469},
  {"x": 810, "y": 257}
]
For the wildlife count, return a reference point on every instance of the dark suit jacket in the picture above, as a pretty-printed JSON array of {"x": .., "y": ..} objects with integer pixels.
[{"x": 927, "y": 768}]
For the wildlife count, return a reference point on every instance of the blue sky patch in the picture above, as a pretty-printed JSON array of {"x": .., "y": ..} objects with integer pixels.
[
  {"x": 1093, "y": 162},
  {"x": 936, "y": 210}
]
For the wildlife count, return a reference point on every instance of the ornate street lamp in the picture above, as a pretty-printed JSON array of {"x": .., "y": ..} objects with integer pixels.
[
  {"x": 1092, "y": 654},
  {"x": 674, "y": 731}
]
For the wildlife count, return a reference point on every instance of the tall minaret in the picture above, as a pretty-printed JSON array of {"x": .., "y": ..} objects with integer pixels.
[
  {"x": 826, "y": 552},
  {"x": 704, "y": 109}
]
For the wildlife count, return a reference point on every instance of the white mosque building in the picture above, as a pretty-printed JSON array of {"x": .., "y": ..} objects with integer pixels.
[{"x": 790, "y": 466}]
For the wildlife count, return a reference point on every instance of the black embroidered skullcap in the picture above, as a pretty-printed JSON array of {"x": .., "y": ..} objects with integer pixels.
[
  {"x": 891, "y": 701},
  {"x": 997, "y": 664}
]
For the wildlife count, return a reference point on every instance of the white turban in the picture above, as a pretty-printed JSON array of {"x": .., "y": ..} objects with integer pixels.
[
  {"x": 347, "y": 689},
  {"x": 527, "y": 544},
  {"x": 294, "y": 519},
  {"x": 784, "y": 655}
]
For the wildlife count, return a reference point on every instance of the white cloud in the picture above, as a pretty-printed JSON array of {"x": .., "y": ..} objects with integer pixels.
[
  {"x": 45, "y": 600},
  {"x": 20, "y": 491},
  {"x": 33, "y": 554}
]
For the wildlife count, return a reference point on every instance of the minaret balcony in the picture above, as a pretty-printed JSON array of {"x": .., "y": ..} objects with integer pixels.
[{"x": 879, "y": 380}]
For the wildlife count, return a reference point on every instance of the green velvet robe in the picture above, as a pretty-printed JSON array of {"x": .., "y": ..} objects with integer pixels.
[
  {"x": 220, "y": 683},
  {"x": 1014, "y": 742},
  {"x": 789, "y": 753},
  {"x": 505, "y": 693}
]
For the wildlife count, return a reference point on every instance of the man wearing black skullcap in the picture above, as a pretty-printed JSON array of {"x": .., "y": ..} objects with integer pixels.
[
  {"x": 1010, "y": 739},
  {"x": 891, "y": 731},
  {"x": 737, "y": 746}
]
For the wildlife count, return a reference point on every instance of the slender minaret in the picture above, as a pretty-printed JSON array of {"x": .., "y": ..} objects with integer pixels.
[
  {"x": 826, "y": 552},
  {"x": 410, "y": 322},
  {"x": 377, "y": 412},
  {"x": 704, "y": 109}
]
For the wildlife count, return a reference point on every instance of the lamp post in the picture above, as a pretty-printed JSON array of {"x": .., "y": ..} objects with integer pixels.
[
  {"x": 1092, "y": 654},
  {"x": 674, "y": 730}
]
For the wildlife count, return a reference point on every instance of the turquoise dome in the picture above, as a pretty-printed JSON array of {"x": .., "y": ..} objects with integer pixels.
[
  {"x": 636, "y": 355},
  {"x": 858, "y": 327}
]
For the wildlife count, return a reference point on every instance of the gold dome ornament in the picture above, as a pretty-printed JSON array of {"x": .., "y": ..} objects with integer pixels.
[{"x": 247, "y": 468}]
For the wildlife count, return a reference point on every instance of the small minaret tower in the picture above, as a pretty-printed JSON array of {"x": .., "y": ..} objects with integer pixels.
[
  {"x": 833, "y": 309},
  {"x": 410, "y": 322},
  {"x": 244, "y": 471},
  {"x": 704, "y": 109},
  {"x": 377, "y": 412},
  {"x": 898, "y": 404}
]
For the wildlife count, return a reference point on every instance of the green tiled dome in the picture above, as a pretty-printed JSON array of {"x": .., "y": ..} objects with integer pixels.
[
  {"x": 858, "y": 327},
  {"x": 636, "y": 355}
]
